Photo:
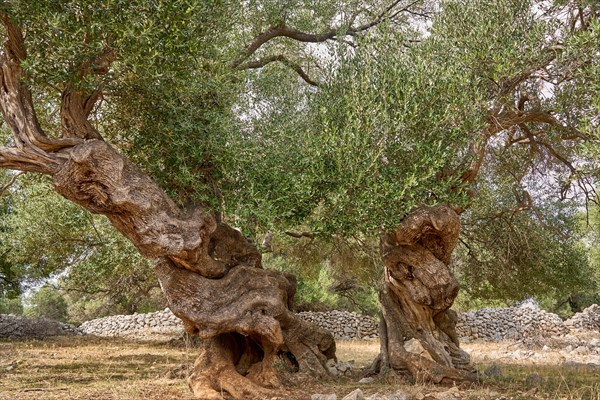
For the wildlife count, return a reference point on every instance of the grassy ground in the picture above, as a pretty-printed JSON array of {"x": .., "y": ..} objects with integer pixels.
[
  {"x": 94, "y": 369},
  {"x": 115, "y": 369}
]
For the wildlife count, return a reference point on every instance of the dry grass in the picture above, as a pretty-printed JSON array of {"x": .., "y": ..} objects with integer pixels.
[
  {"x": 115, "y": 369},
  {"x": 94, "y": 369},
  {"x": 362, "y": 352}
]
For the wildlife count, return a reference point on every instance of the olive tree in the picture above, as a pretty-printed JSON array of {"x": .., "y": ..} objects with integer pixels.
[
  {"x": 404, "y": 136},
  {"x": 90, "y": 89}
]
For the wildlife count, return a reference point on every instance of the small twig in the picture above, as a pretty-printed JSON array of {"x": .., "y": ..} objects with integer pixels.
[
  {"x": 11, "y": 182},
  {"x": 43, "y": 389},
  {"x": 299, "y": 235}
]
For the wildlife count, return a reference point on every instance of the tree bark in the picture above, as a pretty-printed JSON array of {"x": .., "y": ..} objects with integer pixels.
[
  {"x": 211, "y": 275},
  {"x": 417, "y": 329}
]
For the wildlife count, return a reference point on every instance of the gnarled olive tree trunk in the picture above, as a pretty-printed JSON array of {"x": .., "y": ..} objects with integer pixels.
[
  {"x": 212, "y": 276},
  {"x": 417, "y": 327}
]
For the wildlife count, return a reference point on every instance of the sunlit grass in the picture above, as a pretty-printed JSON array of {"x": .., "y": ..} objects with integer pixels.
[
  {"x": 83, "y": 368},
  {"x": 90, "y": 368}
]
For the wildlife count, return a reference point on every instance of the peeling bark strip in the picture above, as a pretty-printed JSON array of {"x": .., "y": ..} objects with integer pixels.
[{"x": 417, "y": 330}]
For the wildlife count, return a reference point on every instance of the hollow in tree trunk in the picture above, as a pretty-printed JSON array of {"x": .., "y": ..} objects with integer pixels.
[
  {"x": 417, "y": 327},
  {"x": 211, "y": 275}
]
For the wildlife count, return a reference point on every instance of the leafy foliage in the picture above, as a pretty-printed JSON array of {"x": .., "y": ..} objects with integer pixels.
[
  {"x": 44, "y": 236},
  {"x": 48, "y": 302},
  {"x": 400, "y": 118},
  {"x": 336, "y": 274},
  {"x": 511, "y": 256}
]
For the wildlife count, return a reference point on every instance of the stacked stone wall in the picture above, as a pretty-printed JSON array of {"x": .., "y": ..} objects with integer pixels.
[
  {"x": 588, "y": 319},
  {"x": 488, "y": 324},
  {"x": 512, "y": 323},
  {"x": 150, "y": 325},
  {"x": 344, "y": 324},
  {"x": 16, "y": 327}
]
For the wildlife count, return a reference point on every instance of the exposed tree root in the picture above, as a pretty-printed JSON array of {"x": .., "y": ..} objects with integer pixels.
[{"x": 248, "y": 328}]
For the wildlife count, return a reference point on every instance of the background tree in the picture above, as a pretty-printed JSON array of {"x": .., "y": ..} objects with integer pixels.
[
  {"x": 98, "y": 271},
  {"x": 47, "y": 302}
]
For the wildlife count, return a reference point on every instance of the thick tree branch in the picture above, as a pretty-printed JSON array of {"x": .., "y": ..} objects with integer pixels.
[
  {"x": 77, "y": 103},
  {"x": 17, "y": 105},
  {"x": 27, "y": 160}
]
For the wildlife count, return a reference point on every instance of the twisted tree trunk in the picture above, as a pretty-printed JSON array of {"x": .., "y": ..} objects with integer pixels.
[
  {"x": 211, "y": 275},
  {"x": 417, "y": 328}
]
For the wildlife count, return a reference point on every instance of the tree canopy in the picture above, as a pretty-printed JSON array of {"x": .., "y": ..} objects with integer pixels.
[{"x": 337, "y": 118}]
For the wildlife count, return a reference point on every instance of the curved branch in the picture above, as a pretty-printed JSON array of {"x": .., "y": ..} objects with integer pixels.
[
  {"x": 16, "y": 102},
  {"x": 283, "y": 59},
  {"x": 74, "y": 113},
  {"x": 282, "y": 30},
  {"x": 10, "y": 182},
  {"x": 299, "y": 235},
  {"x": 77, "y": 104},
  {"x": 509, "y": 84},
  {"x": 27, "y": 160}
]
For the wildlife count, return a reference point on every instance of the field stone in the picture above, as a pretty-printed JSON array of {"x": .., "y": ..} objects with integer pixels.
[
  {"x": 493, "y": 372},
  {"x": 319, "y": 396},
  {"x": 399, "y": 395},
  {"x": 450, "y": 394},
  {"x": 377, "y": 396},
  {"x": 343, "y": 367},
  {"x": 534, "y": 379},
  {"x": 355, "y": 395}
]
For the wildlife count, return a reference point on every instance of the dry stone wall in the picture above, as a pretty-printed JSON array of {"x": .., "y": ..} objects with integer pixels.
[
  {"x": 150, "y": 325},
  {"x": 344, "y": 324},
  {"x": 488, "y": 324},
  {"x": 16, "y": 327},
  {"x": 588, "y": 319},
  {"x": 513, "y": 323}
]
